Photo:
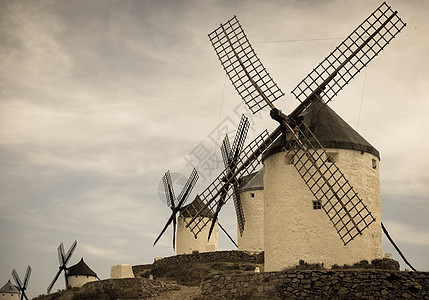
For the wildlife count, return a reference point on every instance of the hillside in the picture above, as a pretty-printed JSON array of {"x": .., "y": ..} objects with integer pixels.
[{"x": 231, "y": 275}]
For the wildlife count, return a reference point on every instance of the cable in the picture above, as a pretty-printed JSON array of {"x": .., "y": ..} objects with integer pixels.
[
  {"x": 361, "y": 99},
  {"x": 298, "y": 40},
  {"x": 218, "y": 122},
  {"x": 396, "y": 247}
]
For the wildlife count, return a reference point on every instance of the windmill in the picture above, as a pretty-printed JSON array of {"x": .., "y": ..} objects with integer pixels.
[
  {"x": 63, "y": 259},
  {"x": 230, "y": 155},
  {"x": 176, "y": 204},
  {"x": 22, "y": 286},
  {"x": 330, "y": 188}
]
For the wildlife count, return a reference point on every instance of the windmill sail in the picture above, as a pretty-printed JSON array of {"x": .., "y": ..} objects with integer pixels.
[
  {"x": 63, "y": 259},
  {"x": 229, "y": 155},
  {"x": 351, "y": 56},
  {"x": 245, "y": 164},
  {"x": 22, "y": 286},
  {"x": 345, "y": 209},
  {"x": 240, "y": 63}
]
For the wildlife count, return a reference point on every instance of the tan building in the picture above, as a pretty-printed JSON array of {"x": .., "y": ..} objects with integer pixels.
[
  {"x": 79, "y": 274},
  {"x": 186, "y": 241},
  {"x": 10, "y": 291},
  {"x": 295, "y": 225}
]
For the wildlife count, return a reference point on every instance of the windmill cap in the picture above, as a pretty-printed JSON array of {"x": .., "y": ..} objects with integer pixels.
[
  {"x": 9, "y": 288},
  {"x": 191, "y": 210},
  {"x": 252, "y": 182},
  {"x": 331, "y": 131},
  {"x": 81, "y": 268}
]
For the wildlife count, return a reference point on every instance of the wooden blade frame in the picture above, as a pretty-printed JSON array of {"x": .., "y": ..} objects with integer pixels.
[
  {"x": 63, "y": 259},
  {"x": 22, "y": 286},
  {"x": 168, "y": 188},
  {"x": 351, "y": 56},
  {"x": 246, "y": 163},
  {"x": 229, "y": 154},
  {"x": 345, "y": 209},
  {"x": 238, "y": 60}
]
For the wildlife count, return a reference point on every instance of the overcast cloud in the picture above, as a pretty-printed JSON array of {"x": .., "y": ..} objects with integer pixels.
[{"x": 99, "y": 98}]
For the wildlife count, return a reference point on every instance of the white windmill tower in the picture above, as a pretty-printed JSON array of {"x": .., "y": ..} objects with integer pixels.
[
  {"x": 9, "y": 291},
  {"x": 252, "y": 201},
  {"x": 187, "y": 243},
  {"x": 80, "y": 274},
  {"x": 303, "y": 174}
]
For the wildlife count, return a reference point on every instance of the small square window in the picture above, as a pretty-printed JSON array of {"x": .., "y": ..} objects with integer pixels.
[
  {"x": 317, "y": 204},
  {"x": 252, "y": 195},
  {"x": 332, "y": 157}
]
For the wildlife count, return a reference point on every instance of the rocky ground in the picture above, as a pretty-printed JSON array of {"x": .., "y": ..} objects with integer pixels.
[
  {"x": 181, "y": 277},
  {"x": 170, "y": 281}
]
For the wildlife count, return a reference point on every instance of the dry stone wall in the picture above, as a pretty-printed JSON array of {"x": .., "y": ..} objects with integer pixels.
[
  {"x": 224, "y": 256},
  {"x": 324, "y": 284}
]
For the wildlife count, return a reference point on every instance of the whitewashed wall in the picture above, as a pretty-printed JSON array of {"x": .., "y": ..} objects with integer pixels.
[
  {"x": 80, "y": 280},
  {"x": 253, "y": 209},
  {"x": 186, "y": 242},
  {"x": 293, "y": 230}
]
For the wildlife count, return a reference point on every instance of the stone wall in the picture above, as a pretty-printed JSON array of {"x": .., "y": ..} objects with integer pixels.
[
  {"x": 324, "y": 284},
  {"x": 224, "y": 256},
  {"x": 113, "y": 289}
]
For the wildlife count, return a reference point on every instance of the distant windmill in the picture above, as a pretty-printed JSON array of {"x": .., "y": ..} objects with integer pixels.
[
  {"x": 295, "y": 139},
  {"x": 176, "y": 204},
  {"x": 230, "y": 156},
  {"x": 22, "y": 286},
  {"x": 63, "y": 259}
]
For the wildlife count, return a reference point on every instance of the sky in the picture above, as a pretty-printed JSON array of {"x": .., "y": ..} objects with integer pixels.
[{"x": 98, "y": 99}]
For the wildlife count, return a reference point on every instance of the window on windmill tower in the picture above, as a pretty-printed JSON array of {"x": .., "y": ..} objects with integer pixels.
[
  {"x": 332, "y": 157},
  {"x": 317, "y": 204},
  {"x": 374, "y": 164}
]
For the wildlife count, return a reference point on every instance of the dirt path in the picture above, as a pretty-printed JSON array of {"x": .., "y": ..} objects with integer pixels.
[{"x": 185, "y": 292}]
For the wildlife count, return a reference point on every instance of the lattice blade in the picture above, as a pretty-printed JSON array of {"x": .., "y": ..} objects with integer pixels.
[
  {"x": 351, "y": 56},
  {"x": 239, "y": 211},
  {"x": 61, "y": 254},
  {"x": 27, "y": 276},
  {"x": 168, "y": 188},
  {"x": 243, "y": 67},
  {"x": 51, "y": 285},
  {"x": 244, "y": 165},
  {"x": 226, "y": 151},
  {"x": 190, "y": 183},
  {"x": 347, "y": 212},
  {"x": 172, "y": 217},
  {"x": 17, "y": 279},
  {"x": 70, "y": 252},
  {"x": 240, "y": 136}
]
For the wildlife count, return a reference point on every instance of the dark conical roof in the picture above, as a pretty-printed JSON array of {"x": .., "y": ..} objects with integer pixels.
[
  {"x": 190, "y": 210},
  {"x": 330, "y": 129},
  {"x": 252, "y": 182},
  {"x": 81, "y": 268},
  {"x": 9, "y": 288}
]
